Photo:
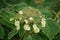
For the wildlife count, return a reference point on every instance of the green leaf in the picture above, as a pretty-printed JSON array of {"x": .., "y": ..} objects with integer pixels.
[
  {"x": 13, "y": 1},
  {"x": 12, "y": 33},
  {"x": 49, "y": 2},
  {"x": 21, "y": 31},
  {"x": 27, "y": 37},
  {"x": 13, "y": 38},
  {"x": 51, "y": 29},
  {"x": 36, "y": 37},
  {"x": 6, "y": 31},
  {"x": 6, "y": 18},
  {"x": 1, "y": 32},
  {"x": 57, "y": 37},
  {"x": 42, "y": 36},
  {"x": 20, "y": 6},
  {"x": 47, "y": 13}
]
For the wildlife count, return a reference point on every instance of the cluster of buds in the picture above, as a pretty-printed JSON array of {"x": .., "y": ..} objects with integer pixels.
[{"x": 28, "y": 15}]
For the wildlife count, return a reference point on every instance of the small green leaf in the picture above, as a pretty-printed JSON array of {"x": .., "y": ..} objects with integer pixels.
[
  {"x": 12, "y": 33},
  {"x": 1, "y": 32}
]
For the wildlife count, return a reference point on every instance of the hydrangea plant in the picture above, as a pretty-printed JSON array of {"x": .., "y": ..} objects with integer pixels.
[{"x": 29, "y": 23}]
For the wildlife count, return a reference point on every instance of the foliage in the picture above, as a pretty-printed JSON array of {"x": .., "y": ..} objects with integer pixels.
[{"x": 47, "y": 10}]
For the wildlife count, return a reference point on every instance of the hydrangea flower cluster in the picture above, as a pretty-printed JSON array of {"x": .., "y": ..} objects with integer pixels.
[{"x": 29, "y": 15}]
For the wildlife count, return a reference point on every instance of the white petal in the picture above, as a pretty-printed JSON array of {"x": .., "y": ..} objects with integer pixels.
[
  {"x": 26, "y": 27},
  {"x": 20, "y": 12},
  {"x": 17, "y": 24}
]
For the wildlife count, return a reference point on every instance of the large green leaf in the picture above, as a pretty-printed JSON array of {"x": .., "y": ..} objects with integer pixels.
[
  {"x": 51, "y": 29},
  {"x": 1, "y": 32}
]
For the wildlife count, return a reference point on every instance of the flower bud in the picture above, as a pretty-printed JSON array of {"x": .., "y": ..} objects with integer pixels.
[
  {"x": 36, "y": 29},
  {"x": 26, "y": 27},
  {"x": 26, "y": 21},
  {"x": 30, "y": 7},
  {"x": 11, "y": 19},
  {"x": 31, "y": 18},
  {"x": 20, "y": 12},
  {"x": 17, "y": 24},
  {"x": 43, "y": 22}
]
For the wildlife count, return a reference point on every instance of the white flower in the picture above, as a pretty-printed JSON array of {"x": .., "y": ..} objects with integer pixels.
[
  {"x": 43, "y": 22},
  {"x": 20, "y": 12},
  {"x": 31, "y": 18},
  {"x": 11, "y": 19},
  {"x": 17, "y": 24},
  {"x": 36, "y": 29},
  {"x": 26, "y": 27},
  {"x": 26, "y": 21}
]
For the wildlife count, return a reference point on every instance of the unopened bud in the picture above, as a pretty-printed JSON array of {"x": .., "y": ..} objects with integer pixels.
[
  {"x": 20, "y": 12},
  {"x": 43, "y": 22},
  {"x": 11, "y": 19},
  {"x": 26, "y": 21},
  {"x": 30, "y": 7},
  {"x": 26, "y": 27},
  {"x": 17, "y": 24},
  {"x": 31, "y": 18},
  {"x": 36, "y": 29}
]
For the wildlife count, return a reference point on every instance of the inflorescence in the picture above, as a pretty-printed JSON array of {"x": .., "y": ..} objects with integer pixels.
[{"x": 29, "y": 15}]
